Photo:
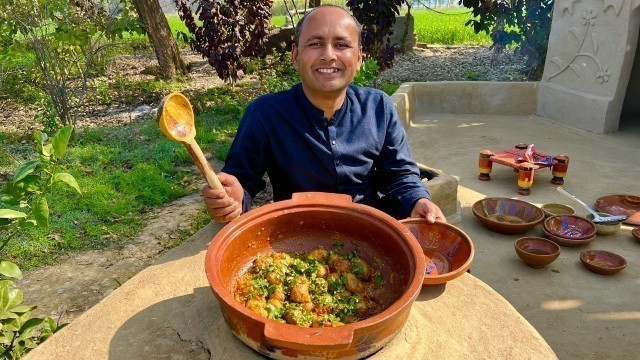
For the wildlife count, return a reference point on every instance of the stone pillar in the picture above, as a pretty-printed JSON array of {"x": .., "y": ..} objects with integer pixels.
[
  {"x": 589, "y": 60},
  {"x": 402, "y": 36}
]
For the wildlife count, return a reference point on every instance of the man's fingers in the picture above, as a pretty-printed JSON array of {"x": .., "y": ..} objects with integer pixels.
[{"x": 225, "y": 214}]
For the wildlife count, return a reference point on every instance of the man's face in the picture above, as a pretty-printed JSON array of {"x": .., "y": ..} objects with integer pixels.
[{"x": 328, "y": 54}]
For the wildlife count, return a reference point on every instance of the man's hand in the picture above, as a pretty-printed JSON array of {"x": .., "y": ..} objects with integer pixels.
[
  {"x": 224, "y": 205},
  {"x": 425, "y": 208}
]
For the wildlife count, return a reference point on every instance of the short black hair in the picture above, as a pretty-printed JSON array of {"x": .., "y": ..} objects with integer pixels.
[{"x": 299, "y": 24}]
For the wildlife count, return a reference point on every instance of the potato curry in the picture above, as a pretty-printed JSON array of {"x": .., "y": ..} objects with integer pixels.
[{"x": 317, "y": 289}]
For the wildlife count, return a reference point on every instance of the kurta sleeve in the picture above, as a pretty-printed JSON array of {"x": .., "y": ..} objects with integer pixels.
[
  {"x": 247, "y": 157},
  {"x": 399, "y": 174}
]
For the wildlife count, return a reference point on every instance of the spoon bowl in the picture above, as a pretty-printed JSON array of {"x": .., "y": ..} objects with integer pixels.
[
  {"x": 176, "y": 121},
  {"x": 597, "y": 217},
  {"x": 176, "y": 118}
]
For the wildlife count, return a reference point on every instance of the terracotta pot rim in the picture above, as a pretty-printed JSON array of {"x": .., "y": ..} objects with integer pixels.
[
  {"x": 599, "y": 269},
  {"x": 331, "y": 202},
  {"x": 589, "y": 234},
  {"x": 538, "y": 238},
  {"x": 537, "y": 220},
  {"x": 508, "y": 229}
]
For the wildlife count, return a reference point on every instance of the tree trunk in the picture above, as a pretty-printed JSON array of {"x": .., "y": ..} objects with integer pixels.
[{"x": 165, "y": 46}]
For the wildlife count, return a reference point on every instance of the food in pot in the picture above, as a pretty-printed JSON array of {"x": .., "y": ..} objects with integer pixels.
[{"x": 317, "y": 289}]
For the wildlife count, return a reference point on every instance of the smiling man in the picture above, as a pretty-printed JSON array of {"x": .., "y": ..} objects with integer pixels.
[{"x": 323, "y": 134}]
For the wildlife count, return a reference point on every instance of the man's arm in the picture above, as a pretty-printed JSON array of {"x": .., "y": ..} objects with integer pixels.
[
  {"x": 400, "y": 177},
  {"x": 242, "y": 173}
]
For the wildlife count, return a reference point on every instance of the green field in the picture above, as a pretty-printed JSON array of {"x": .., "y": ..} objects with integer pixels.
[{"x": 447, "y": 27}]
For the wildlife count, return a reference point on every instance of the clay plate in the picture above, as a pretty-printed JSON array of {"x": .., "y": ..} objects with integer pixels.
[
  {"x": 636, "y": 233},
  {"x": 536, "y": 251},
  {"x": 507, "y": 216},
  {"x": 602, "y": 262},
  {"x": 566, "y": 241},
  {"x": 557, "y": 209},
  {"x": 571, "y": 227},
  {"x": 621, "y": 205},
  {"x": 448, "y": 250}
]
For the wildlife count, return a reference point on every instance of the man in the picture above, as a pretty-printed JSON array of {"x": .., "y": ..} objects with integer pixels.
[{"x": 323, "y": 134}]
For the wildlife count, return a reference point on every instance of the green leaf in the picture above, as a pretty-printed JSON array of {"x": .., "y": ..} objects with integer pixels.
[
  {"x": 29, "y": 224},
  {"x": 9, "y": 298},
  {"x": 8, "y": 315},
  {"x": 61, "y": 140},
  {"x": 41, "y": 212},
  {"x": 40, "y": 137},
  {"x": 10, "y": 269},
  {"x": 67, "y": 179},
  {"x": 11, "y": 214},
  {"x": 46, "y": 150},
  {"x": 21, "y": 309},
  {"x": 24, "y": 170},
  {"x": 29, "y": 327}
]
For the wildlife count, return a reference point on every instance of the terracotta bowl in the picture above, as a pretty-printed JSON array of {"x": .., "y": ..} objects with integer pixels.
[
  {"x": 571, "y": 227},
  {"x": 567, "y": 241},
  {"x": 557, "y": 209},
  {"x": 602, "y": 262},
  {"x": 605, "y": 228},
  {"x": 636, "y": 233},
  {"x": 507, "y": 216},
  {"x": 304, "y": 223},
  {"x": 448, "y": 250},
  {"x": 536, "y": 251}
]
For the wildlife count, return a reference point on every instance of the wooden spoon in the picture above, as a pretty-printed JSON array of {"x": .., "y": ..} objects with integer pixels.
[{"x": 176, "y": 120}]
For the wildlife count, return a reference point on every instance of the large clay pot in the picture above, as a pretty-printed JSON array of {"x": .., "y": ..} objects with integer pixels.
[{"x": 304, "y": 223}]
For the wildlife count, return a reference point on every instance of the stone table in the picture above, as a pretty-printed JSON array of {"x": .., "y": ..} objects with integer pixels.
[{"x": 168, "y": 310}]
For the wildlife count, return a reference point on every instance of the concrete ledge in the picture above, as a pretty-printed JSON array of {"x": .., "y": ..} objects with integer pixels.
[
  {"x": 444, "y": 191},
  {"x": 465, "y": 97}
]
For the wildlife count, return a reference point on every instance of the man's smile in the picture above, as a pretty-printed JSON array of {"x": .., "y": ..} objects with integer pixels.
[{"x": 328, "y": 70}]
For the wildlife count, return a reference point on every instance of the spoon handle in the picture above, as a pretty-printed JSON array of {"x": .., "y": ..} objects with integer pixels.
[
  {"x": 571, "y": 196},
  {"x": 203, "y": 164}
]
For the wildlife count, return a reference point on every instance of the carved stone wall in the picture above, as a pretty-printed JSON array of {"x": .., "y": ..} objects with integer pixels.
[{"x": 589, "y": 60}]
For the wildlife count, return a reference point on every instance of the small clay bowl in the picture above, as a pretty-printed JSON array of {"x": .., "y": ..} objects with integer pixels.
[
  {"x": 507, "y": 216},
  {"x": 557, "y": 209},
  {"x": 536, "y": 251},
  {"x": 636, "y": 233},
  {"x": 605, "y": 228},
  {"x": 566, "y": 241},
  {"x": 447, "y": 249},
  {"x": 572, "y": 227},
  {"x": 602, "y": 262}
]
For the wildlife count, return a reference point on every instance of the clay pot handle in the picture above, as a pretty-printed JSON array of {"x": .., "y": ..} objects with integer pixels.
[
  {"x": 321, "y": 197},
  {"x": 331, "y": 338}
]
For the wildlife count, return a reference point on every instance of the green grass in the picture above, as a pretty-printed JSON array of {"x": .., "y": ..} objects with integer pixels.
[
  {"x": 448, "y": 28},
  {"x": 123, "y": 172},
  {"x": 278, "y": 20}
]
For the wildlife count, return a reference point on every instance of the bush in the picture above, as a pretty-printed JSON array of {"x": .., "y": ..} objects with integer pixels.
[{"x": 23, "y": 204}]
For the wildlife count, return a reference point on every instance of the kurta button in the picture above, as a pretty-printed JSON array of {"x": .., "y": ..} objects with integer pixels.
[{"x": 333, "y": 142}]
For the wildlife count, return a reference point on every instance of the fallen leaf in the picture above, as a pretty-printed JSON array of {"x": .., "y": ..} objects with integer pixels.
[{"x": 55, "y": 236}]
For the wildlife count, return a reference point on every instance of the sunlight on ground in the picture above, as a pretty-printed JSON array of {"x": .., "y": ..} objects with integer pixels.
[
  {"x": 556, "y": 305},
  {"x": 620, "y": 315},
  {"x": 470, "y": 124}
]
